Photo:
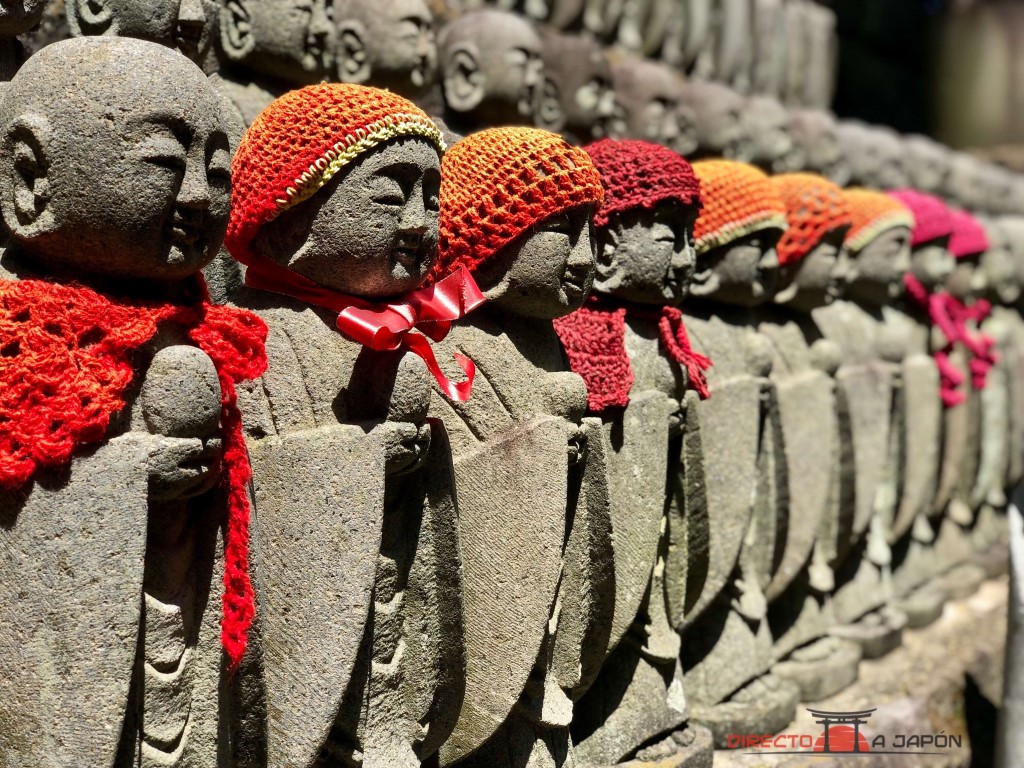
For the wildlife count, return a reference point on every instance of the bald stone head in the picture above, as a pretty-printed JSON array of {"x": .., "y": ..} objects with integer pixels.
[
  {"x": 874, "y": 154},
  {"x": 816, "y": 145},
  {"x": 766, "y": 122},
  {"x": 964, "y": 180},
  {"x": 388, "y": 45},
  {"x": 578, "y": 76},
  {"x": 289, "y": 40},
  {"x": 719, "y": 120},
  {"x": 190, "y": 26},
  {"x": 646, "y": 100},
  {"x": 115, "y": 161},
  {"x": 491, "y": 69},
  {"x": 927, "y": 163}
]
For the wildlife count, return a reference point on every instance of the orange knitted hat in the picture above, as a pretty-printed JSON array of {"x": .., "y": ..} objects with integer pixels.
[
  {"x": 814, "y": 207},
  {"x": 302, "y": 140},
  {"x": 739, "y": 199},
  {"x": 498, "y": 183},
  {"x": 872, "y": 213}
]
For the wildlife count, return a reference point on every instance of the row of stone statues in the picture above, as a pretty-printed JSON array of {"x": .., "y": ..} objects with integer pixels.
[
  {"x": 479, "y": 67},
  {"x": 449, "y": 480}
]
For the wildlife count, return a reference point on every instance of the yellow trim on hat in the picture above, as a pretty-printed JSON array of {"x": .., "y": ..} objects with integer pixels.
[
  {"x": 347, "y": 149},
  {"x": 735, "y": 230},
  {"x": 883, "y": 223}
]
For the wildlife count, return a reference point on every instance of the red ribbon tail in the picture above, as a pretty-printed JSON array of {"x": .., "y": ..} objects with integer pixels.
[{"x": 458, "y": 392}]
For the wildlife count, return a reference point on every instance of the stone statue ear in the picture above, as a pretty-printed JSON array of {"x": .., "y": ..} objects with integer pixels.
[
  {"x": 463, "y": 80},
  {"x": 26, "y": 202},
  {"x": 608, "y": 276},
  {"x": 236, "y": 37},
  {"x": 353, "y": 66},
  {"x": 89, "y": 17},
  {"x": 706, "y": 280}
]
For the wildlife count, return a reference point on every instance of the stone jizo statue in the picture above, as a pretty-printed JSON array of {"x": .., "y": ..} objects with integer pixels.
[
  {"x": 646, "y": 99},
  {"x": 530, "y": 475},
  {"x": 387, "y": 45},
  {"x": 120, "y": 646},
  {"x": 335, "y": 215},
  {"x": 491, "y": 70},
  {"x": 578, "y": 98}
]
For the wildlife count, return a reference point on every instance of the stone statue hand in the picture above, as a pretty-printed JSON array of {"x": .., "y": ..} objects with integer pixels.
[
  {"x": 677, "y": 419},
  {"x": 577, "y": 445},
  {"x": 405, "y": 446},
  {"x": 182, "y": 467}
]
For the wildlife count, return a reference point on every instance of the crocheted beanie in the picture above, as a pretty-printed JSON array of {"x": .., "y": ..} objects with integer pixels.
[
  {"x": 639, "y": 174},
  {"x": 500, "y": 182},
  {"x": 931, "y": 216},
  {"x": 302, "y": 140},
  {"x": 872, "y": 213},
  {"x": 814, "y": 207},
  {"x": 969, "y": 237},
  {"x": 739, "y": 200}
]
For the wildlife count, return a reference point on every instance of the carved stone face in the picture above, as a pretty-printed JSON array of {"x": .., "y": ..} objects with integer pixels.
[
  {"x": 115, "y": 160},
  {"x": 744, "y": 272},
  {"x": 1002, "y": 283},
  {"x": 817, "y": 279},
  {"x": 927, "y": 163},
  {"x": 288, "y": 39},
  {"x": 647, "y": 256},
  {"x": 932, "y": 263},
  {"x": 767, "y": 126},
  {"x": 492, "y": 68},
  {"x": 967, "y": 281},
  {"x": 548, "y": 272},
  {"x": 389, "y": 44},
  {"x": 19, "y": 16},
  {"x": 188, "y": 25},
  {"x": 372, "y": 230},
  {"x": 816, "y": 146},
  {"x": 646, "y": 100},
  {"x": 874, "y": 276},
  {"x": 721, "y": 130},
  {"x": 578, "y": 78},
  {"x": 686, "y": 140}
]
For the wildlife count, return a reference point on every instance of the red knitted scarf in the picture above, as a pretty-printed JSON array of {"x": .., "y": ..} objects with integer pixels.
[
  {"x": 66, "y": 354},
  {"x": 950, "y": 377},
  {"x": 594, "y": 338},
  {"x": 980, "y": 345}
]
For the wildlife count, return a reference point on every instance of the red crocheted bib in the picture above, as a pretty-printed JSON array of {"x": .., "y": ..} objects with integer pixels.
[{"x": 65, "y": 366}]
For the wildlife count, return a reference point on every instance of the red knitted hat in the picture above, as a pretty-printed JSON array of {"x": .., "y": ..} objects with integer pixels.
[
  {"x": 969, "y": 238},
  {"x": 738, "y": 199},
  {"x": 302, "y": 140},
  {"x": 498, "y": 183},
  {"x": 872, "y": 213},
  {"x": 931, "y": 216},
  {"x": 814, "y": 207},
  {"x": 639, "y": 174}
]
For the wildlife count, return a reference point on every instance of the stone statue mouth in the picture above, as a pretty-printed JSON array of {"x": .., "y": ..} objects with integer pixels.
[{"x": 409, "y": 251}]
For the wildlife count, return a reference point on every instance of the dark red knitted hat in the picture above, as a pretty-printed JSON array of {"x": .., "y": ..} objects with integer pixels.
[
  {"x": 639, "y": 174},
  {"x": 932, "y": 218},
  {"x": 302, "y": 140},
  {"x": 969, "y": 237},
  {"x": 498, "y": 183}
]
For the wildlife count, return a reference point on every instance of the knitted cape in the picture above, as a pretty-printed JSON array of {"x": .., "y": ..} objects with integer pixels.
[
  {"x": 594, "y": 338},
  {"x": 68, "y": 362},
  {"x": 937, "y": 308},
  {"x": 980, "y": 346}
]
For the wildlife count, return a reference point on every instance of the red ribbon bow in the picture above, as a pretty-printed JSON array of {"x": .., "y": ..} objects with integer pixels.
[{"x": 405, "y": 324}]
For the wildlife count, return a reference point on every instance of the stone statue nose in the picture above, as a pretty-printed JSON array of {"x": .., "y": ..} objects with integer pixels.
[{"x": 191, "y": 13}]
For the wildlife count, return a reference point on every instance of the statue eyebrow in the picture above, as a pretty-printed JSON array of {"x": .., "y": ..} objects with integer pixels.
[{"x": 181, "y": 129}]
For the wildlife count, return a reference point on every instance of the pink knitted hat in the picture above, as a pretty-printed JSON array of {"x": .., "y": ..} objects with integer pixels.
[
  {"x": 931, "y": 216},
  {"x": 969, "y": 238}
]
